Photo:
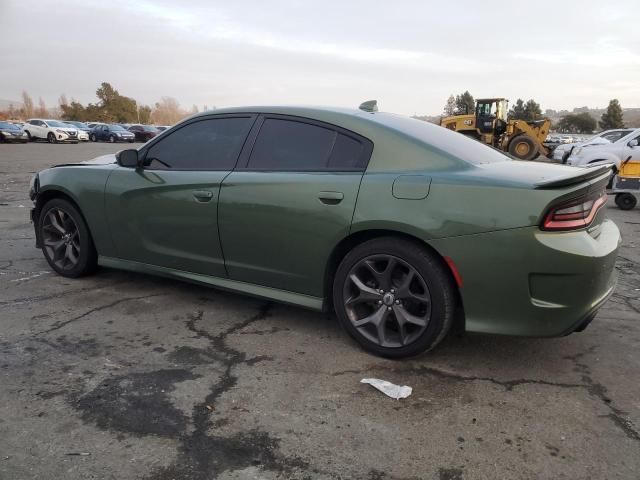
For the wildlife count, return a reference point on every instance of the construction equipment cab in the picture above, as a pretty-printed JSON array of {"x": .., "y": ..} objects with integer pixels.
[{"x": 489, "y": 124}]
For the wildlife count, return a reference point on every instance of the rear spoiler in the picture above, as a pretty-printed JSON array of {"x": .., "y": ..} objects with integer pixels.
[{"x": 585, "y": 175}]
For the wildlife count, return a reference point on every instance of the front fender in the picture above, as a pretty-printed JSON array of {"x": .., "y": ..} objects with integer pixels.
[{"x": 83, "y": 185}]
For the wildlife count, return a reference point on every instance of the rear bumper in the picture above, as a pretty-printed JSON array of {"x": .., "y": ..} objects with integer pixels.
[{"x": 531, "y": 283}]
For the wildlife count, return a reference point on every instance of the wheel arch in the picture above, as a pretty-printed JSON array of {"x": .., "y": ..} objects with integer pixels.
[
  {"x": 356, "y": 238},
  {"x": 50, "y": 193}
]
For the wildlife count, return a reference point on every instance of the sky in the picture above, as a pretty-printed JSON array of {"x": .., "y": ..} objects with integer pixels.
[{"x": 409, "y": 55}]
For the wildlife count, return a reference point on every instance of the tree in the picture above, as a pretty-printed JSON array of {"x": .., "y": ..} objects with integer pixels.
[
  {"x": 62, "y": 100},
  {"x": 74, "y": 111},
  {"x": 42, "y": 109},
  {"x": 577, "y": 123},
  {"x": 27, "y": 105},
  {"x": 144, "y": 114},
  {"x": 115, "y": 107},
  {"x": 532, "y": 110},
  {"x": 167, "y": 111},
  {"x": 465, "y": 104},
  {"x": 612, "y": 118},
  {"x": 450, "y": 106},
  {"x": 517, "y": 110}
]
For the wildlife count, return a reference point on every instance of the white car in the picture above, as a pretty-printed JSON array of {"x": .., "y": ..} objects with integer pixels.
[
  {"x": 561, "y": 153},
  {"x": 53, "y": 131},
  {"x": 609, "y": 153}
]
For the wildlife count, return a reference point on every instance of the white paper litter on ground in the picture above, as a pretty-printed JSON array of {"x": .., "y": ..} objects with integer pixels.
[{"x": 388, "y": 388}]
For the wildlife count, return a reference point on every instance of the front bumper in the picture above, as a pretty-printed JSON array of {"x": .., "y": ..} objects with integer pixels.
[
  {"x": 527, "y": 282},
  {"x": 15, "y": 139}
]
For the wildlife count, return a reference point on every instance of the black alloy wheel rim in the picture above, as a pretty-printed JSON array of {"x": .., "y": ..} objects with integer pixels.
[
  {"x": 61, "y": 239},
  {"x": 387, "y": 301}
]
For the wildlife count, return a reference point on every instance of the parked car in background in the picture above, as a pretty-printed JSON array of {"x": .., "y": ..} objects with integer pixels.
[
  {"x": 610, "y": 153},
  {"x": 144, "y": 133},
  {"x": 53, "y": 131},
  {"x": 111, "y": 133},
  {"x": 162, "y": 128},
  {"x": 11, "y": 133},
  {"x": 561, "y": 153},
  {"x": 395, "y": 223},
  {"x": 83, "y": 129}
]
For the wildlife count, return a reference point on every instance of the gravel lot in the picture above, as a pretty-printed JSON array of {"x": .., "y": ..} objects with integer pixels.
[{"x": 120, "y": 376}]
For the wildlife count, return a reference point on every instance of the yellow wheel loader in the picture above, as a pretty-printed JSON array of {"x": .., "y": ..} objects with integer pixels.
[{"x": 489, "y": 124}]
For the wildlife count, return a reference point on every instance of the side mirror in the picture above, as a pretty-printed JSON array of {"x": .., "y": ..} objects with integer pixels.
[
  {"x": 633, "y": 143},
  {"x": 128, "y": 158}
]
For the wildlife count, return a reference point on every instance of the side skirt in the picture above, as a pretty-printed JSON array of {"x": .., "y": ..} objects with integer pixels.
[{"x": 306, "y": 301}]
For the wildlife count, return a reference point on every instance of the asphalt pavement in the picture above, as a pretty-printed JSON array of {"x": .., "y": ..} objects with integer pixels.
[{"x": 122, "y": 376}]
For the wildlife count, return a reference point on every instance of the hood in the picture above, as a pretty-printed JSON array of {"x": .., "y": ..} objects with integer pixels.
[{"x": 101, "y": 160}]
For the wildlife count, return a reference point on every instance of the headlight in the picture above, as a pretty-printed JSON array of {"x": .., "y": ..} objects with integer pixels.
[
  {"x": 118, "y": 134},
  {"x": 6, "y": 132},
  {"x": 61, "y": 131}
]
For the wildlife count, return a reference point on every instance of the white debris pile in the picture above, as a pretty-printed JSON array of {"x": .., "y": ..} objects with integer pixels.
[{"x": 388, "y": 388}]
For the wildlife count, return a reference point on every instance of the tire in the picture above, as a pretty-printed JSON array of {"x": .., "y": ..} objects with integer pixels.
[
  {"x": 523, "y": 147},
  {"x": 429, "y": 319},
  {"x": 626, "y": 201},
  {"x": 51, "y": 138},
  {"x": 112, "y": 139},
  {"x": 29, "y": 137},
  {"x": 75, "y": 143},
  {"x": 130, "y": 141},
  {"x": 58, "y": 216},
  {"x": 93, "y": 138}
]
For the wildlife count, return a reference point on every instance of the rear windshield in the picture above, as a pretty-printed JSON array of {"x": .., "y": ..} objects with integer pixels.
[{"x": 452, "y": 143}]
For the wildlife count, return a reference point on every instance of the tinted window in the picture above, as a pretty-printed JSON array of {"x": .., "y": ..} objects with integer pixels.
[
  {"x": 290, "y": 145},
  {"x": 212, "y": 144},
  {"x": 347, "y": 154}
]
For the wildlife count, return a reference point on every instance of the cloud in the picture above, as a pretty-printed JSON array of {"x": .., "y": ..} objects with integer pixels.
[{"x": 605, "y": 53}]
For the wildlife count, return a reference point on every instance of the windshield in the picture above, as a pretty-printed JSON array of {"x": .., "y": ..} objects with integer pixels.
[
  {"x": 117, "y": 128},
  {"x": 149, "y": 128},
  {"x": 8, "y": 126},
  {"x": 55, "y": 123},
  {"x": 616, "y": 135}
]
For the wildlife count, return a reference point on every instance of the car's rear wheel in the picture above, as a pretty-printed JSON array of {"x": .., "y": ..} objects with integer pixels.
[
  {"x": 66, "y": 241},
  {"x": 394, "y": 297},
  {"x": 51, "y": 138},
  {"x": 626, "y": 201}
]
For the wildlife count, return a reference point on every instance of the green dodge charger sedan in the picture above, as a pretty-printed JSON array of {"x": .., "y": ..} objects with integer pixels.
[{"x": 402, "y": 227}]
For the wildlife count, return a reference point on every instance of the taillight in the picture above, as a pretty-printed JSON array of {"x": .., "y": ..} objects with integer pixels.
[{"x": 574, "y": 214}]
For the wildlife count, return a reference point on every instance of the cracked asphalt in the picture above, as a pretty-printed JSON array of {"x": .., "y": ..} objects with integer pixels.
[{"x": 126, "y": 376}]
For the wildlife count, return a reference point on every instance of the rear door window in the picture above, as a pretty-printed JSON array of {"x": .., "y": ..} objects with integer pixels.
[{"x": 290, "y": 145}]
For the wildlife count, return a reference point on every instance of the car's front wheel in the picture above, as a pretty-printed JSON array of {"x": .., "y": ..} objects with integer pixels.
[
  {"x": 112, "y": 139},
  {"x": 51, "y": 138},
  {"x": 394, "y": 297},
  {"x": 93, "y": 137},
  {"x": 65, "y": 239}
]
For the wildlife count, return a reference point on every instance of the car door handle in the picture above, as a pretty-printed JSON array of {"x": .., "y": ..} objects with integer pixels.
[
  {"x": 202, "y": 195},
  {"x": 331, "y": 198}
]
